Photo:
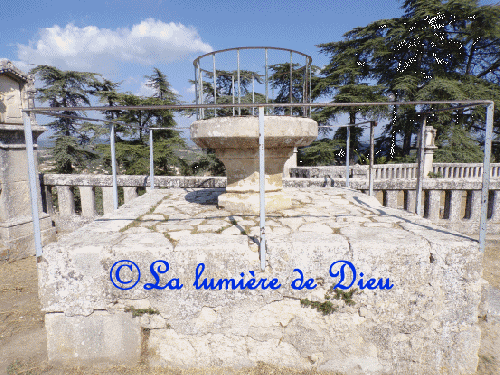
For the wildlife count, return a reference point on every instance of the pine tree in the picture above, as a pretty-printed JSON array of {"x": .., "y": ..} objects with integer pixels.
[
  {"x": 68, "y": 89},
  {"x": 438, "y": 50}
]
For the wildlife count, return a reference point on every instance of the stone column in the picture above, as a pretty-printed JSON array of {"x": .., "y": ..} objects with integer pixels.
[
  {"x": 391, "y": 198},
  {"x": 455, "y": 206},
  {"x": 129, "y": 193},
  {"x": 107, "y": 200},
  {"x": 88, "y": 201},
  {"x": 410, "y": 197},
  {"x": 434, "y": 205},
  {"x": 495, "y": 218},
  {"x": 429, "y": 147},
  {"x": 16, "y": 222},
  {"x": 65, "y": 201}
]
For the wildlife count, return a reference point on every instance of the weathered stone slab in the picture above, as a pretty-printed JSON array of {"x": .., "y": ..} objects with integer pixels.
[
  {"x": 423, "y": 322},
  {"x": 101, "y": 338}
]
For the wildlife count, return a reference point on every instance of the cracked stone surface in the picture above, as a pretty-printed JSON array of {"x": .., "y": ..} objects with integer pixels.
[{"x": 426, "y": 324}]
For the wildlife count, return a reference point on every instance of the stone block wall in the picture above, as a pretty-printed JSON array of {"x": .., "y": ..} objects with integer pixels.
[{"x": 425, "y": 324}]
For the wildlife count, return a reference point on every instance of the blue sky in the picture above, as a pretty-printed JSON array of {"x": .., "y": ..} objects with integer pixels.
[{"x": 123, "y": 40}]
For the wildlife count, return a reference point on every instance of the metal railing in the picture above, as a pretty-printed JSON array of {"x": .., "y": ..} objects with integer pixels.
[
  {"x": 229, "y": 70},
  {"x": 53, "y": 111}
]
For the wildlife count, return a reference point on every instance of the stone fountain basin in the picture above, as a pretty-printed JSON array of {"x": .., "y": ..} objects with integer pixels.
[
  {"x": 243, "y": 132},
  {"x": 236, "y": 143}
]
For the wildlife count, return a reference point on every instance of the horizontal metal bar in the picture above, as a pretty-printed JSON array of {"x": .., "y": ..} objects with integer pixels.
[
  {"x": 248, "y": 105},
  {"x": 83, "y": 118},
  {"x": 442, "y": 110},
  {"x": 195, "y": 62}
]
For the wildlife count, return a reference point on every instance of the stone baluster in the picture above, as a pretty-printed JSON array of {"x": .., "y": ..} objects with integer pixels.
[
  {"x": 410, "y": 197},
  {"x": 391, "y": 198},
  {"x": 48, "y": 200},
  {"x": 107, "y": 200},
  {"x": 129, "y": 193},
  {"x": 495, "y": 217},
  {"x": 433, "y": 204},
  {"x": 475, "y": 206},
  {"x": 88, "y": 201},
  {"x": 455, "y": 205},
  {"x": 66, "y": 201}
]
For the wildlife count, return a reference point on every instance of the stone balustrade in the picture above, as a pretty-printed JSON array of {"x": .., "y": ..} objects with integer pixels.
[
  {"x": 389, "y": 171},
  {"x": 449, "y": 202}
]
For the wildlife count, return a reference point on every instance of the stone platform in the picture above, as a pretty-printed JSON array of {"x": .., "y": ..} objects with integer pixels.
[{"x": 427, "y": 323}]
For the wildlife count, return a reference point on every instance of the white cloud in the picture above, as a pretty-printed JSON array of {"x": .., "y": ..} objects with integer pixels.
[
  {"x": 98, "y": 49},
  {"x": 191, "y": 89}
]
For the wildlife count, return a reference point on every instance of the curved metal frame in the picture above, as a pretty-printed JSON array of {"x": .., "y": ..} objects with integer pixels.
[{"x": 198, "y": 71}]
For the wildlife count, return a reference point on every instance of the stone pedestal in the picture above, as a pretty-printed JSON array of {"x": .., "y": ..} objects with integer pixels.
[
  {"x": 16, "y": 224},
  {"x": 236, "y": 142}
]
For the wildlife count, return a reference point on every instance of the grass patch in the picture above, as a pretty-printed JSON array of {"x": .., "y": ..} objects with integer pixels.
[
  {"x": 327, "y": 307},
  {"x": 141, "y": 312}
]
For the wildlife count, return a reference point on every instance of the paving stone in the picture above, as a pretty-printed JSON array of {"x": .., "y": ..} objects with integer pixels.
[
  {"x": 176, "y": 236},
  {"x": 231, "y": 230},
  {"x": 317, "y": 228}
]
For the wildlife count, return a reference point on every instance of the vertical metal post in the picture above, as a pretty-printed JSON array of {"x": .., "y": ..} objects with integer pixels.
[
  {"x": 201, "y": 94},
  {"x": 232, "y": 80},
  {"x": 196, "y": 90},
  {"x": 200, "y": 90},
  {"x": 253, "y": 94},
  {"x": 420, "y": 170},
  {"x": 486, "y": 176},
  {"x": 239, "y": 85},
  {"x": 28, "y": 136},
  {"x": 291, "y": 72},
  {"x": 304, "y": 85},
  {"x": 347, "y": 156},
  {"x": 113, "y": 166},
  {"x": 372, "y": 156},
  {"x": 151, "y": 160},
  {"x": 215, "y": 86},
  {"x": 310, "y": 89},
  {"x": 262, "y": 190},
  {"x": 267, "y": 92}
]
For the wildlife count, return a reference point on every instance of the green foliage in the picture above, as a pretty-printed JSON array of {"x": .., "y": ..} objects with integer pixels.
[
  {"x": 439, "y": 50},
  {"x": 141, "y": 312},
  {"x": 321, "y": 152},
  {"x": 132, "y": 142},
  {"x": 434, "y": 175},
  {"x": 208, "y": 163},
  {"x": 68, "y": 89},
  {"x": 327, "y": 307}
]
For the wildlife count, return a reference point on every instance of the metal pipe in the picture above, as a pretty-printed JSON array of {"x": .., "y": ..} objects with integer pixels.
[
  {"x": 420, "y": 169},
  {"x": 201, "y": 95},
  {"x": 196, "y": 90},
  {"x": 486, "y": 176},
  {"x": 304, "y": 84},
  {"x": 253, "y": 94},
  {"x": 262, "y": 190},
  {"x": 232, "y": 80},
  {"x": 347, "y": 157},
  {"x": 239, "y": 84},
  {"x": 113, "y": 166},
  {"x": 310, "y": 91},
  {"x": 267, "y": 92},
  {"x": 215, "y": 86},
  {"x": 291, "y": 72},
  {"x": 28, "y": 136},
  {"x": 372, "y": 156},
  {"x": 151, "y": 160},
  {"x": 199, "y": 88},
  {"x": 41, "y": 110}
]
